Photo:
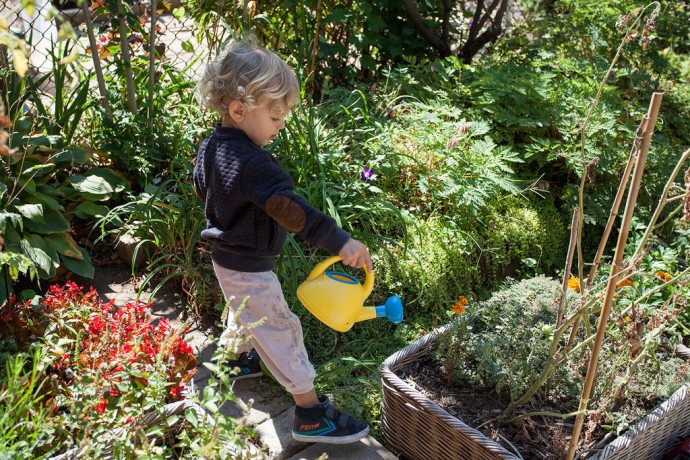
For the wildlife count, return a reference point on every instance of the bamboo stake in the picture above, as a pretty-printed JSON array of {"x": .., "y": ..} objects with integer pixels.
[
  {"x": 126, "y": 60},
  {"x": 152, "y": 59},
  {"x": 652, "y": 114},
  {"x": 568, "y": 264},
  {"x": 96, "y": 58},
  {"x": 612, "y": 218},
  {"x": 617, "y": 201}
]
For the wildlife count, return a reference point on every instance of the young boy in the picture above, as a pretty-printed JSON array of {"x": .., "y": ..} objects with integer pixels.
[{"x": 250, "y": 205}]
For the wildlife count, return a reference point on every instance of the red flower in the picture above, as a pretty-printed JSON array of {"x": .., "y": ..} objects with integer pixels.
[
  {"x": 101, "y": 406},
  {"x": 97, "y": 325},
  {"x": 176, "y": 392}
]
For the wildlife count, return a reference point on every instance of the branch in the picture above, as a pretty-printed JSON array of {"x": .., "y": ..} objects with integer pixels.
[{"x": 427, "y": 32}]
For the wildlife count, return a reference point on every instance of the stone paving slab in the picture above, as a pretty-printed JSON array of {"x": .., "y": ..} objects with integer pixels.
[{"x": 366, "y": 449}]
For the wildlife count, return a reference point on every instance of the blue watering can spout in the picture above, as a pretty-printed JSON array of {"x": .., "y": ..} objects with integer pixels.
[{"x": 392, "y": 309}]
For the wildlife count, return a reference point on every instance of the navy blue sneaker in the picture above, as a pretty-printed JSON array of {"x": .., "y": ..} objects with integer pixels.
[
  {"x": 324, "y": 423},
  {"x": 249, "y": 365}
]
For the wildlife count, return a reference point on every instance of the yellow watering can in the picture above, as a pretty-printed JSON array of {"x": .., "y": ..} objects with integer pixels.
[{"x": 337, "y": 299}]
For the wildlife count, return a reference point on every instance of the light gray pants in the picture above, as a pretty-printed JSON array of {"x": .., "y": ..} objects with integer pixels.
[{"x": 279, "y": 340}]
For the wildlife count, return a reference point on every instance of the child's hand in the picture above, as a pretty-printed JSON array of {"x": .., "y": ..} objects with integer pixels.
[{"x": 355, "y": 254}]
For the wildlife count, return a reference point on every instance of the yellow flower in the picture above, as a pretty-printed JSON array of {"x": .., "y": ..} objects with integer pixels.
[
  {"x": 574, "y": 283},
  {"x": 459, "y": 306},
  {"x": 663, "y": 275},
  {"x": 628, "y": 319}
]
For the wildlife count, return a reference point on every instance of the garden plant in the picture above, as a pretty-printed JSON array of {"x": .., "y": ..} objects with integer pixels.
[{"x": 456, "y": 140}]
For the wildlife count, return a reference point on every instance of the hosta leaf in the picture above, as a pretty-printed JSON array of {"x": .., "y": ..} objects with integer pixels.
[
  {"x": 36, "y": 249},
  {"x": 54, "y": 223},
  {"x": 116, "y": 179},
  {"x": 38, "y": 170},
  {"x": 92, "y": 187},
  {"x": 32, "y": 212},
  {"x": 45, "y": 189},
  {"x": 77, "y": 156},
  {"x": 42, "y": 199},
  {"x": 64, "y": 244},
  {"x": 82, "y": 267},
  {"x": 88, "y": 209},
  {"x": 12, "y": 218}
]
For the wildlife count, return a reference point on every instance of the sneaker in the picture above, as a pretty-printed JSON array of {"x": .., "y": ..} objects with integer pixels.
[
  {"x": 249, "y": 364},
  {"x": 325, "y": 423}
]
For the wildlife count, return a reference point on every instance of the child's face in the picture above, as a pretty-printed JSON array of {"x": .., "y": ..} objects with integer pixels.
[{"x": 263, "y": 123}]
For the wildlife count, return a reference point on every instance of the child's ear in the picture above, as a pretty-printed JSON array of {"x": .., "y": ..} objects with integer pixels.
[{"x": 237, "y": 110}]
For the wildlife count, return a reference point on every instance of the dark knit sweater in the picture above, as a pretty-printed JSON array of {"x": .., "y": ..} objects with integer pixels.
[{"x": 250, "y": 204}]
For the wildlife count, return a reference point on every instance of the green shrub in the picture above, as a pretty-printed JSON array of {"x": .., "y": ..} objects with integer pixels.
[
  {"x": 47, "y": 191},
  {"x": 442, "y": 263},
  {"x": 521, "y": 236}
]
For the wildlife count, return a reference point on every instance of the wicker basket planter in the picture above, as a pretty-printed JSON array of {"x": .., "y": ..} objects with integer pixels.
[{"x": 420, "y": 429}]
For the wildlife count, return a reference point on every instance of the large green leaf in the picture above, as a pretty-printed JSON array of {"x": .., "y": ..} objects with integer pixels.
[
  {"x": 64, "y": 244},
  {"x": 49, "y": 190},
  {"x": 12, "y": 218},
  {"x": 116, "y": 179},
  {"x": 89, "y": 209},
  {"x": 11, "y": 236},
  {"x": 92, "y": 187},
  {"x": 82, "y": 267},
  {"x": 27, "y": 184},
  {"x": 42, "y": 199},
  {"x": 45, "y": 258},
  {"x": 37, "y": 170},
  {"x": 78, "y": 156},
  {"x": 55, "y": 222},
  {"x": 32, "y": 212}
]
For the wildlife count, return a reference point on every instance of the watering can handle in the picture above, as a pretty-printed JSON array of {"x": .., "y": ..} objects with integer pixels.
[{"x": 322, "y": 266}]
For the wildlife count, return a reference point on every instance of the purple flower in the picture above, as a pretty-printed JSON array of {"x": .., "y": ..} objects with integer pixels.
[
  {"x": 367, "y": 175},
  {"x": 452, "y": 143},
  {"x": 463, "y": 128},
  {"x": 373, "y": 88}
]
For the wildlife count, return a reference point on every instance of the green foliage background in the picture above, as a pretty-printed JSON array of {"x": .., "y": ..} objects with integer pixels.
[{"x": 476, "y": 166}]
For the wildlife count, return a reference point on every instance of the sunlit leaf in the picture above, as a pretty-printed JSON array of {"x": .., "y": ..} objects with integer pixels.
[
  {"x": 64, "y": 244},
  {"x": 32, "y": 211}
]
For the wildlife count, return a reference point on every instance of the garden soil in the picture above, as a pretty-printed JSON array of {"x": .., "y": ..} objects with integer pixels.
[{"x": 537, "y": 437}]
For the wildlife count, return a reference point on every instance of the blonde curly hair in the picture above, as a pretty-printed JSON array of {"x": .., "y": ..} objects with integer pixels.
[{"x": 247, "y": 72}]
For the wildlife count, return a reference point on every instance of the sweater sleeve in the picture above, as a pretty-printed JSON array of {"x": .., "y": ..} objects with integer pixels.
[{"x": 268, "y": 186}]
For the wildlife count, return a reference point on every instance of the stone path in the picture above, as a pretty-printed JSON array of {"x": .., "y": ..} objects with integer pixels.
[{"x": 272, "y": 408}]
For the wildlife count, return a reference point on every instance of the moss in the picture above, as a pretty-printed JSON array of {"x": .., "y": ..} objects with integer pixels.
[{"x": 520, "y": 237}]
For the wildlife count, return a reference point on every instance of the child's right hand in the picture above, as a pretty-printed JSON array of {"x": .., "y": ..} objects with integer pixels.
[{"x": 355, "y": 254}]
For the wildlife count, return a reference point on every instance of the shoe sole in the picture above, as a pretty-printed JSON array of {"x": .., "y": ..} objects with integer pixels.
[{"x": 331, "y": 439}]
